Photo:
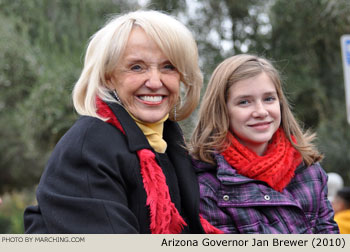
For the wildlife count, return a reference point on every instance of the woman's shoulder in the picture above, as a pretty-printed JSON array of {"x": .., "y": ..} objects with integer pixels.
[
  {"x": 93, "y": 128},
  {"x": 86, "y": 133},
  {"x": 88, "y": 123},
  {"x": 88, "y": 143}
]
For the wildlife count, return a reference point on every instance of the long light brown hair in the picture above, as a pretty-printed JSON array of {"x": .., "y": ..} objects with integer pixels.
[{"x": 210, "y": 133}]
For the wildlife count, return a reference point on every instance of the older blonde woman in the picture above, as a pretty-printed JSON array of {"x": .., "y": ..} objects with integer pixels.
[{"x": 122, "y": 168}]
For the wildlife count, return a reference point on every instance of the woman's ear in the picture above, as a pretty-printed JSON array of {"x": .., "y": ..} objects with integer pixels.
[{"x": 109, "y": 81}]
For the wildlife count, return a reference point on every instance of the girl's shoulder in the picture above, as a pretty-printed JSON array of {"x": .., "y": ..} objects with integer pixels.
[
  {"x": 206, "y": 174},
  {"x": 312, "y": 173}
]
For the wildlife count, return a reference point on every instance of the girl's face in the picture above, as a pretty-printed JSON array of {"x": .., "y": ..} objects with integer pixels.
[
  {"x": 145, "y": 80},
  {"x": 254, "y": 111}
]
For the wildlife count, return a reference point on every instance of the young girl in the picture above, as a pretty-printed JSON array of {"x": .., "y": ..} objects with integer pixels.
[{"x": 258, "y": 171}]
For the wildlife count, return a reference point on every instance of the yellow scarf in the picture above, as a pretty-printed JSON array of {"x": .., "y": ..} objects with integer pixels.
[{"x": 153, "y": 133}]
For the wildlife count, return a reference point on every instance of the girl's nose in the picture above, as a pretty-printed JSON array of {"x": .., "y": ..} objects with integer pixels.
[{"x": 260, "y": 110}]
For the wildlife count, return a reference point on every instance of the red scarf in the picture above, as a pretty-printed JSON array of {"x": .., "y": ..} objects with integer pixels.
[
  {"x": 165, "y": 218},
  {"x": 276, "y": 167}
]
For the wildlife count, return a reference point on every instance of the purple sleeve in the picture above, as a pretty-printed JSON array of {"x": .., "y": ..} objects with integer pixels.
[
  {"x": 325, "y": 223},
  {"x": 210, "y": 210}
]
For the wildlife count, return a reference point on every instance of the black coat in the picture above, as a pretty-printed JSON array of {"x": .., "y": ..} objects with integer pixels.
[{"x": 92, "y": 182}]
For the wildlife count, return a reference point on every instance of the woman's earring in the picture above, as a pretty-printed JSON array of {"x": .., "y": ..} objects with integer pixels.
[
  {"x": 175, "y": 113},
  {"x": 117, "y": 97}
]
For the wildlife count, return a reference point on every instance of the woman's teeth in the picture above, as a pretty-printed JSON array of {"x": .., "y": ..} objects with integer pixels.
[{"x": 151, "y": 98}]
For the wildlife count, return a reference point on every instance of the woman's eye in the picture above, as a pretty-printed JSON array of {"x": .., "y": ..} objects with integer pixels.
[
  {"x": 136, "y": 68},
  {"x": 169, "y": 67}
]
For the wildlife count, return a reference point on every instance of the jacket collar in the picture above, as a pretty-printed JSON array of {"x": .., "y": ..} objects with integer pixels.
[
  {"x": 134, "y": 135},
  {"x": 135, "y": 138},
  {"x": 226, "y": 174}
]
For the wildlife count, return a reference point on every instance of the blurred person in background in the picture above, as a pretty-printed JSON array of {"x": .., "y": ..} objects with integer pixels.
[
  {"x": 341, "y": 206},
  {"x": 335, "y": 182}
]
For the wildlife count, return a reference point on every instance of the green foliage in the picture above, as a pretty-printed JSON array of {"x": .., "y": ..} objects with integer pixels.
[
  {"x": 170, "y": 6},
  {"x": 11, "y": 211},
  {"x": 38, "y": 68},
  {"x": 312, "y": 52},
  {"x": 306, "y": 39},
  {"x": 18, "y": 73}
]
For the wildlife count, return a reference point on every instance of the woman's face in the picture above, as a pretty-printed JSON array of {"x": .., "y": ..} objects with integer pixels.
[
  {"x": 254, "y": 111},
  {"x": 145, "y": 80}
]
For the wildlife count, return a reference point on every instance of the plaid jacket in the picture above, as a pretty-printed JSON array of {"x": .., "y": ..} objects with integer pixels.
[{"x": 237, "y": 204}]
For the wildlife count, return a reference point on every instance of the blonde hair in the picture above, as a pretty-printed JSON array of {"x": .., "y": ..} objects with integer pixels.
[
  {"x": 210, "y": 133},
  {"x": 107, "y": 46}
]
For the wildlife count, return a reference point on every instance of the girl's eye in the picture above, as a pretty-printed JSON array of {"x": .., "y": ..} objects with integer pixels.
[
  {"x": 270, "y": 99},
  {"x": 243, "y": 102}
]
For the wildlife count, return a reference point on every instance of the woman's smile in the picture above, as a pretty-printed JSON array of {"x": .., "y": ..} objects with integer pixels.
[{"x": 151, "y": 99}]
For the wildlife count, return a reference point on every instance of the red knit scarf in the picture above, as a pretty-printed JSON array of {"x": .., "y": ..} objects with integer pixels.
[
  {"x": 276, "y": 167},
  {"x": 165, "y": 218}
]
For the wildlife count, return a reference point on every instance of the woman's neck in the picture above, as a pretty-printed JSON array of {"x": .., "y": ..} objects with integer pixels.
[{"x": 153, "y": 133}]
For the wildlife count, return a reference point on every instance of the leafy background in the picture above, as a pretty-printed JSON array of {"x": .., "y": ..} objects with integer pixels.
[{"x": 42, "y": 46}]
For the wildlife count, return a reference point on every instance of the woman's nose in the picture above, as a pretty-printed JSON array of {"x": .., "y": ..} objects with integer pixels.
[{"x": 154, "y": 79}]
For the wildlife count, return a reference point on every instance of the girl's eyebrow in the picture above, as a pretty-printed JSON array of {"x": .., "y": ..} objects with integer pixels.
[
  {"x": 248, "y": 96},
  {"x": 270, "y": 93},
  {"x": 243, "y": 96}
]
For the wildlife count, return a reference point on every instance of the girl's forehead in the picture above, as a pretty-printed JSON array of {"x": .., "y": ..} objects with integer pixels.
[{"x": 256, "y": 84}]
